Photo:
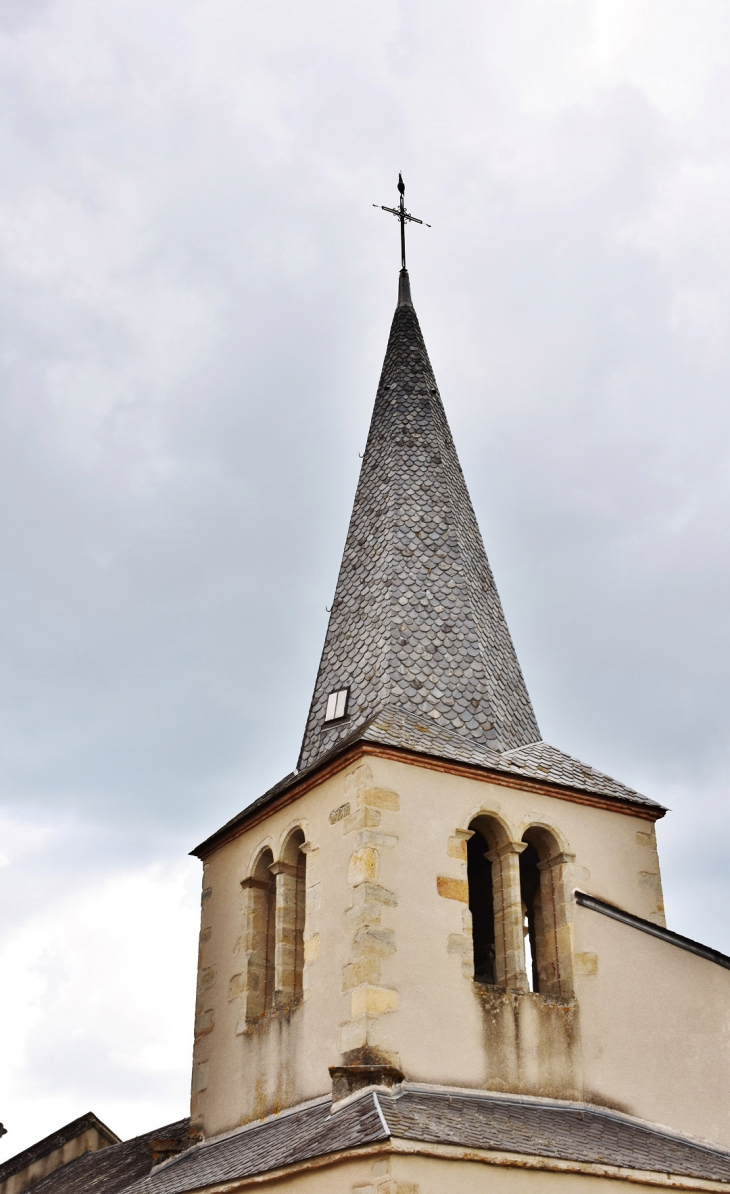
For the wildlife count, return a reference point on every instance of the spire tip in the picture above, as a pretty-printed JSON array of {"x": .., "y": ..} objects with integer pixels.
[{"x": 404, "y": 289}]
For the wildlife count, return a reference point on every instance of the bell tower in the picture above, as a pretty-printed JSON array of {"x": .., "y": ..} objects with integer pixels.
[{"x": 437, "y": 899}]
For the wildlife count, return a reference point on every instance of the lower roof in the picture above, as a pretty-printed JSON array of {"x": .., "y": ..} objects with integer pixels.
[
  {"x": 56, "y": 1140},
  {"x": 113, "y": 1169},
  {"x": 534, "y": 1127}
]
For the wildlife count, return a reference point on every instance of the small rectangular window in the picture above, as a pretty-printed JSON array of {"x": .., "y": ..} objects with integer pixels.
[{"x": 336, "y": 705}]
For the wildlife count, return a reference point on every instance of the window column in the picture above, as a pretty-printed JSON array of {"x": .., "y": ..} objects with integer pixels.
[
  {"x": 508, "y": 931},
  {"x": 289, "y": 950},
  {"x": 259, "y": 921},
  {"x": 555, "y": 958}
]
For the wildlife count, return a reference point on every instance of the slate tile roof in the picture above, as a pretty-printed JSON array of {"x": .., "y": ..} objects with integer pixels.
[
  {"x": 536, "y": 760},
  {"x": 57, "y": 1139},
  {"x": 478, "y": 1120},
  {"x": 416, "y": 619},
  {"x": 110, "y": 1170},
  {"x": 545, "y": 1128},
  {"x": 297, "y": 1135}
]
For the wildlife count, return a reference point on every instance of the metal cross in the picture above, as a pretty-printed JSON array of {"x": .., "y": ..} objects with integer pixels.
[{"x": 403, "y": 216}]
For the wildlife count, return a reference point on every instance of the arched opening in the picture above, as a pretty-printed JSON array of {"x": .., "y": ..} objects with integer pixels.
[
  {"x": 291, "y": 888},
  {"x": 481, "y": 906},
  {"x": 262, "y": 935},
  {"x": 546, "y": 900},
  {"x": 487, "y": 868},
  {"x": 531, "y": 913}
]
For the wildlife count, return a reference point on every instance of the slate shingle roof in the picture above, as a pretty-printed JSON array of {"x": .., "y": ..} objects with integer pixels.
[
  {"x": 110, "y": 1170},
  {"x": 416, "y": 620},
  {"x": 57, "y": 1139},
  {"x": 477, "y": 1120},
  {"x": 537, "y": 760}
]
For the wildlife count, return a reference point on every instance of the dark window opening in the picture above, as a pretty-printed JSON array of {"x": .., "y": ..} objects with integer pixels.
[
  {"x": 530, "y": 889},
  {"x": 481, "y": 906}
]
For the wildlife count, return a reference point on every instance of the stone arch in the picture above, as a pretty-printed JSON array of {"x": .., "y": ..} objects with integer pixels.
[
  {"x": 546, "y": 910},
  {"x": 260, "y": 934},
  {"x": 291, "y": 891},
  {"x": 492, "y": 827}
]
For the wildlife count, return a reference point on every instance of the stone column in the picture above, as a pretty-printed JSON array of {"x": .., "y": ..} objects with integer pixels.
[
  {"x": 286, "y": 982},
  {"x": 509, "y": 939},
  {"x": 258, "y": 948},
  {"x": 557, "y": 926}
]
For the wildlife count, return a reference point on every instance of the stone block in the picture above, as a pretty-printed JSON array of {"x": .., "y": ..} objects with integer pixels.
[
  {"x": 311, "y": 948},
  {"x": 372, "y": 1001},
  {"x": 364, "y": 866},
  {"x": 378, "y": 798},
  {"x": 364, "y": 970},
  {"x": 585, "y": 964},
  {"x": 453, "y": 889}
]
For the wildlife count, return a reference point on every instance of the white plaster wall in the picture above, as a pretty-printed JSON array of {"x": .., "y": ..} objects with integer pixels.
[{"x": 655, "y": 1028}]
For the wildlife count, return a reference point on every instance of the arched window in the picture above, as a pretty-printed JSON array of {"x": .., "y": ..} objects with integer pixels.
[
  {"x": 261, "y": 893},
  {"x": 291, "y": 891},
  {"x": 531, "y": 915},
  {"x": 545, "y": 895},
  {"x": 491, "y": 866},
  {"x": 481, "y": 906}
]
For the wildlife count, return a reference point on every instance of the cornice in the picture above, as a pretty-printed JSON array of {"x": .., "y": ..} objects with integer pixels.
[{"x": 312, "y": 779}]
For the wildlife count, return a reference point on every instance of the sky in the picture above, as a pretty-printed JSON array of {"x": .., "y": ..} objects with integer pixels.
[{"x": 195, "y": 297}]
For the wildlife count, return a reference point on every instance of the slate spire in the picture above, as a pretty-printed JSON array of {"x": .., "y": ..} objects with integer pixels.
[{"x": 416, "y": 623}]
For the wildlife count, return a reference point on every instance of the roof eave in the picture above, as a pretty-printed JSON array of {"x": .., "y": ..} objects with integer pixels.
[{"x": 297, "y": 783}]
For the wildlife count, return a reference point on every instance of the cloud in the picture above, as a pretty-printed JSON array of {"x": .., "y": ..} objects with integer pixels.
[{"x": 102, "y": 992}]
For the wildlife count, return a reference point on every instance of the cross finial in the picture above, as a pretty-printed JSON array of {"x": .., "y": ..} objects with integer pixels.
[{"x": 403, "y": 217}]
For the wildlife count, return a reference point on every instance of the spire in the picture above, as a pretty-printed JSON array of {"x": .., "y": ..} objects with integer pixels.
[{"x": 416, "y": 623}]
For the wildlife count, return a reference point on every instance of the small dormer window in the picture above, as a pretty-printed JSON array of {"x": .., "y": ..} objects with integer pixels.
[{"x": 336, "y": 704}]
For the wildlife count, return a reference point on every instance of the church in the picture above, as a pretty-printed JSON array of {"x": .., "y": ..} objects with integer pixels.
[{"x": 434, "y": 957}]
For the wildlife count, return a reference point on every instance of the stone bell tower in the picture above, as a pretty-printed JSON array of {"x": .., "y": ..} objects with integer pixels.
[{"x": 438, "y": 905}]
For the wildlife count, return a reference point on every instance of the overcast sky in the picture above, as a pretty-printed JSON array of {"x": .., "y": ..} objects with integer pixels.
[{"x": 196, "y": 294}]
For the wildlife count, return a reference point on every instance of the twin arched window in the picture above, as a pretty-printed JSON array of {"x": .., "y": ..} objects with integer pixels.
[
  {"x": 518, "y": 898},
  {"x": 275, "y": 929}
]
